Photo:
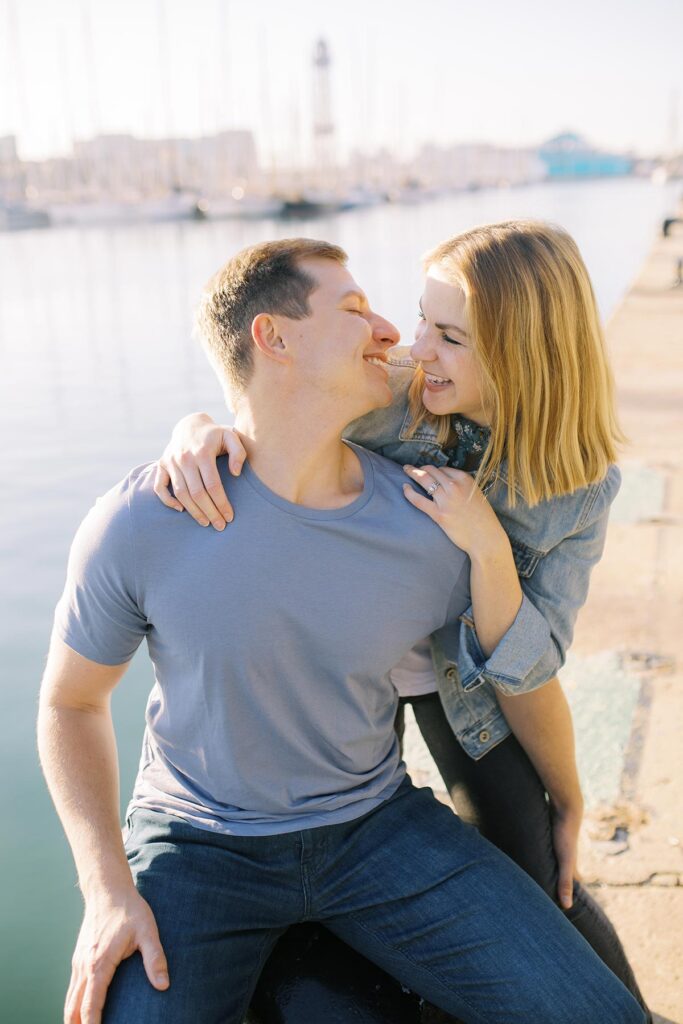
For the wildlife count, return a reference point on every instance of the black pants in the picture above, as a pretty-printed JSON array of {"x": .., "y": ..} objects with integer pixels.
[{"x": 311, "y": 976}]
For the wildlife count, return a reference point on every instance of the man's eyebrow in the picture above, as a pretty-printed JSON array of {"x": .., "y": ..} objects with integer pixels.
[
  {"x": 446, "y": 327},
  {"x": 353, "y": 293}
]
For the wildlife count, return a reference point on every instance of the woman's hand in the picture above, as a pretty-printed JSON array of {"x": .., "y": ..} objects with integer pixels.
[
  {"x": 458, "y": 506},
  {"x": 189, "y": 465},
  {"x": 566, "y": 828}
]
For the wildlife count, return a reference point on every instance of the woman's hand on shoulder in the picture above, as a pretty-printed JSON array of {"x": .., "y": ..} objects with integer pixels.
[
  {"x": 458, "y": 506},
  {"x": 188, "y": 465}
]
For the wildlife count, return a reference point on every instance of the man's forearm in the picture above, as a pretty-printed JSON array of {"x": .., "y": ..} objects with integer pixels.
[
  {"x": 78, "y": 755},
  {"x": 542, "y": 722}
]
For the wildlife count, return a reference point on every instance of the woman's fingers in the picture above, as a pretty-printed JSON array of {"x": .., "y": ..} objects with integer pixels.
[
  {"x": 215, "y": 491},
  {"x": 419, "y": 501},
  {"x": 567, "y": 869},
  {"x": 427, "y": 476},
  {"x": 565, "y": 843},
  {"x": 565, "y": 885},
  {"x": 161, "y": 488},
  {"x": 456, "y": 484},
  {"x": 190, "y": 491},
  {"x": 236, "y": 451}
]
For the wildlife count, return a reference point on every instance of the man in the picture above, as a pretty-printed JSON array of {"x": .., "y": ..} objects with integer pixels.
[{"x": 270, "y": 788}]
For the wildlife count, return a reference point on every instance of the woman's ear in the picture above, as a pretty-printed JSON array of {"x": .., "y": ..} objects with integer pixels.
[{"x": 264, "y": 332}]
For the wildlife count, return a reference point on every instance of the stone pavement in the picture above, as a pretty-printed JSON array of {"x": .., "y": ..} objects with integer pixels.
[{"x": 624, "y": 676}]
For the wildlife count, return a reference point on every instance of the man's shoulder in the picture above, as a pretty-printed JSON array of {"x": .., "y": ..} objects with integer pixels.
[
  {"x": 131, "y": 498},
  {"x": 390, "y": 478},
  {"x": 386, "y": 468},
  {"x": 134, "y": 490}
]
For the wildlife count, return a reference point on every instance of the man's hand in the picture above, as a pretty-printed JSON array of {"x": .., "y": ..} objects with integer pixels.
[
  {"x": 112, "y": 930},
  {"x": 189, "y": 466},
  {"x": 566, "y": 827}
]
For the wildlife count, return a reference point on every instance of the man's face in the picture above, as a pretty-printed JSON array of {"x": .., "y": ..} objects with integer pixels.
[{"x": 339, "y": 349}]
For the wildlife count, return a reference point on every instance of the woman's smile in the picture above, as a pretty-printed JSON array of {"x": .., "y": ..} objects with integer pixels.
[{"x": 436, "y": 383}]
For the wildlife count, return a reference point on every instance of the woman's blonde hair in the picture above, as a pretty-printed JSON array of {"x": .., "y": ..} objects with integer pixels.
[{"x": 537, "y": 339}]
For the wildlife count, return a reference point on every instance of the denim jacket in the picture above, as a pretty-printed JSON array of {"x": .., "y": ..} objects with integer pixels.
[{"x": 555, "y": 545}]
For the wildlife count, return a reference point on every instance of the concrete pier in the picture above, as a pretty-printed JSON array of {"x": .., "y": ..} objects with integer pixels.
[
  {"x": 624, "y": 676},
  {"x": 633, "y": 850}
]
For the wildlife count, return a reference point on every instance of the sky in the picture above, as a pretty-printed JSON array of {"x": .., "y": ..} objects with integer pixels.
[{"x": 402, "y": 74}]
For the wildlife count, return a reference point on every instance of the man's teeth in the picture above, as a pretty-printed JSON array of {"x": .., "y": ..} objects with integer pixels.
[
  {"x": 374, "y": 361},
  {"x": 437, "y": 380}
]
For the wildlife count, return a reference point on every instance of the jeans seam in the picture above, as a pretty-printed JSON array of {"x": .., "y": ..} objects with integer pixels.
[
  {"x": 420, "y": 967},
  {"x": 253, "y": 978},
  {"x": 305, "y": 881}
]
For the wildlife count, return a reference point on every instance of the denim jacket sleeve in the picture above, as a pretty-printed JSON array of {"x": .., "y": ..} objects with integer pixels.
[{"x": 555, "y": 586}]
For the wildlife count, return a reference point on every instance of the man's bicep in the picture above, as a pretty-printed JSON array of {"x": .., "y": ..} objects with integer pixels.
[
  {"x": 99, "y": 614},
  {"x": 71, "y": 680}
]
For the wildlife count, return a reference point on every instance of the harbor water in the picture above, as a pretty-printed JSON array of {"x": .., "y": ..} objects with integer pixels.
[{"x": 96, "y": 364}]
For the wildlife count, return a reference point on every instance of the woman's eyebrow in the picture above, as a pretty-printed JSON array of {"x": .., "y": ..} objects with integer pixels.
[
  {"x": 452, "y": 327},
  {"x": 446, "y": 327}
]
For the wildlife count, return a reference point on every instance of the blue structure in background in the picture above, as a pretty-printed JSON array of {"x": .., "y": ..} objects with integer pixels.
[{"x": 570, "y": 156}]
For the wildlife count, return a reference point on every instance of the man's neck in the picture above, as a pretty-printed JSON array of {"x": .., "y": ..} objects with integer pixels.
[{"x": 300, "y": 457}]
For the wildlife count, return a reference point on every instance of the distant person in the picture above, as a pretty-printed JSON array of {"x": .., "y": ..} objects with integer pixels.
[
  {"x": 507, "y": 382},
  {"x": 270, "y": 788}
]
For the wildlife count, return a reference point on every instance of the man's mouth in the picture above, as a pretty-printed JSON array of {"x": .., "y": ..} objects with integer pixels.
[{"x": 376, "y": 361}]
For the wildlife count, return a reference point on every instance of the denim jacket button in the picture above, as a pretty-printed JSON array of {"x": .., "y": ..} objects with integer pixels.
[
  {"x": 484, "y": 735},
  {"x": 452, "y": 673}
]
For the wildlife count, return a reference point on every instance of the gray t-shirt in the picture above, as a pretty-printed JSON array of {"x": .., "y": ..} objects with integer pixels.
[{"x": 272, "y": 642}]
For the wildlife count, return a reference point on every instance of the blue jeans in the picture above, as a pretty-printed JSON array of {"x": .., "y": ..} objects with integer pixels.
[{"x": 408, "y": 885}]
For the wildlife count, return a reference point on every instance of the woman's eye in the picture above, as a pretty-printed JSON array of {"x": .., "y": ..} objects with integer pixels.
[
  {"x": 451, "y": 341},
  {"x": 420, "y": 315}
]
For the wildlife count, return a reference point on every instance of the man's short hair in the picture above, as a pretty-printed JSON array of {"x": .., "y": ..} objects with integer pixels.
[{"x": 265, "y": 278}]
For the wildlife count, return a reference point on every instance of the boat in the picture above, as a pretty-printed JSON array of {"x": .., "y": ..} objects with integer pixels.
[
  {"x": 242, "y": 207},
  {"x": 21, "y": 217},
  {"x": 136, "y": 210}
]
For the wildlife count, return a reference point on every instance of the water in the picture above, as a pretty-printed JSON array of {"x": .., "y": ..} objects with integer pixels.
[{"x": 96, "y": 364}]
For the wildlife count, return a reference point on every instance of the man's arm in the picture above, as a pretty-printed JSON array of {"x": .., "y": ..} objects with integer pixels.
[{"x": 78, "y": 755}]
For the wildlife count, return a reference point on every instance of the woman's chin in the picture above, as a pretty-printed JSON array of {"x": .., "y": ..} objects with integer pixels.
[{"x": 439, "y": 403}]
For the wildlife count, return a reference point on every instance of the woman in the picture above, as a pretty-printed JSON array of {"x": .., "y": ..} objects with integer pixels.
[{"x": 508, "y": 382}]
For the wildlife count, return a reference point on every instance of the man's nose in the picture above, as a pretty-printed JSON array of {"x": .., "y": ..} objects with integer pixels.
[{"x": 384, "y": 331}]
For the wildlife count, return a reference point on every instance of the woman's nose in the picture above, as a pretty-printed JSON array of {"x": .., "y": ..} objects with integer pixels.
[{"x": 421, "y": 349}]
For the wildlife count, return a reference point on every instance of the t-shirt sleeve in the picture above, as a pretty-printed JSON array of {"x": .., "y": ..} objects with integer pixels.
[
  {"x": 460, "y": 595},
  {"x": 99, "y": 614}
]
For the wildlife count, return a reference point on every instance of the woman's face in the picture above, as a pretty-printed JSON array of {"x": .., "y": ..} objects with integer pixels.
[{"x": 444, "y": 348}]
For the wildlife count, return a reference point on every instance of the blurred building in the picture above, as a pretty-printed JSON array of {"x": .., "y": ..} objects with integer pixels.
[
  {"x": 476, "y": 165},
  {"x": 571, "y": 156},
  {"x": 125, "y": 167}
]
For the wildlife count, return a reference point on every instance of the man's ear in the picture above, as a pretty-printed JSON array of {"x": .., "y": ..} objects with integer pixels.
[{"x": 264, "y": 331}]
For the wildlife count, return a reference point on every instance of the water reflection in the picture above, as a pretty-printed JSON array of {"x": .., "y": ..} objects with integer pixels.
[{"x": 96, "y": 363}]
